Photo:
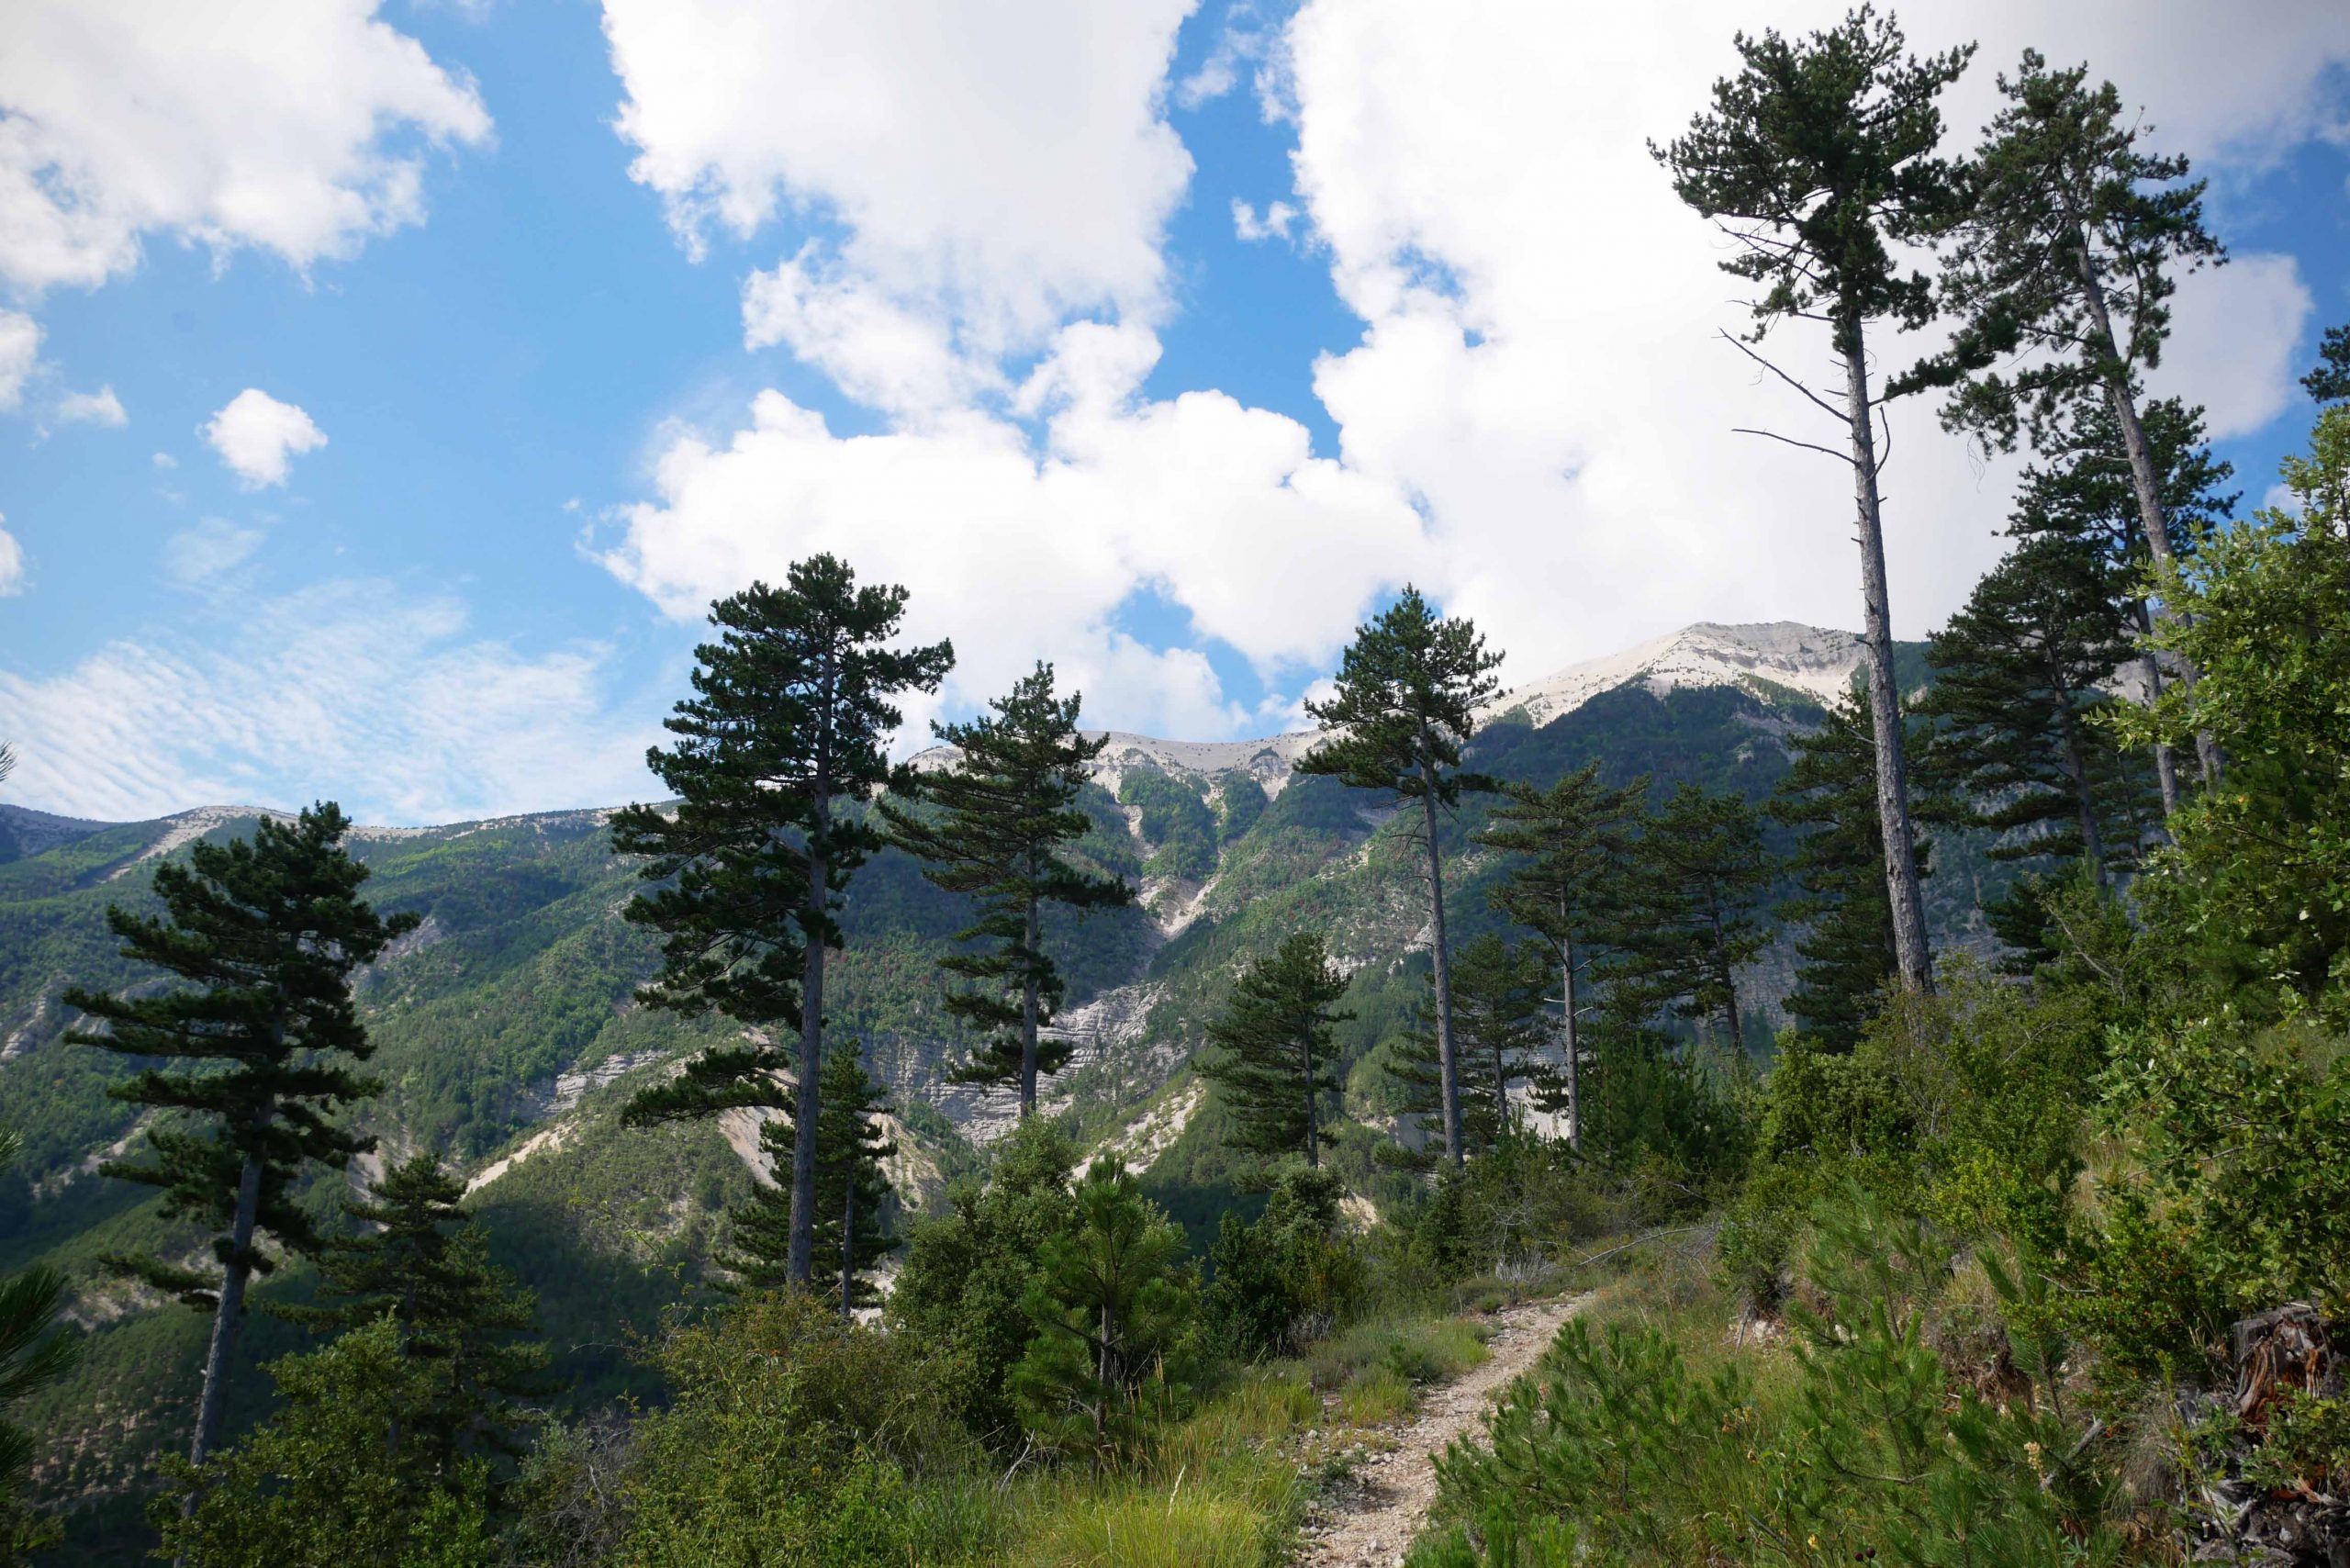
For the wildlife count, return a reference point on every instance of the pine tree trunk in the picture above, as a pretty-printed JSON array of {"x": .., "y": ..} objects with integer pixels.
[
  {"x": 1449, "y": 1077},
  {"x": 800, "y": 1263},
  {"x": 1028, "y": 1005},
  {"x": 213, "y": 1404},
  {"x": 1730, "y": 987},
  {"x": 1913, "y": 958},
  {"x": 2083, "y": 803},
  {"x": 1306, "y": 1055},
  {"x": 1574, "y": 1048},
  {"x": 848, "y": 1246},
  {"x": 2151, "y": 517}
]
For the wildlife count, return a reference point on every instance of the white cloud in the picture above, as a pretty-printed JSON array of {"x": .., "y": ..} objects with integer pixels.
[
  {"x": 2236, "y": 347},
  {"x": 1217, "y": 507},
  {"x": 198, "y": 553},
  {"x": 165, "y": 460},
  {"x": 346, "y": 692},
  {"x": 19, "y": 353},
  {"x": 11, "y": 563},
  {"x": 1540, "y": 367},
  {"x": 292, "y": 126},
  {"x": 255, "y": 435},
  {"x": 884, "y": 353},
  {"x": 1273, "y": 225},
  {"x": 994, "y": 170},
  {"x": 99, "y": 408}
]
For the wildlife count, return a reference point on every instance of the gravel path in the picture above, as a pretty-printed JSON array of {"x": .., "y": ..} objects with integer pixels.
[{"x": 1369, "y": 1520}]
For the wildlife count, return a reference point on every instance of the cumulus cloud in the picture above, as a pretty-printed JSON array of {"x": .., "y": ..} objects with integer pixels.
[
  {"x": 981, "y": 174},
  {"x": 99, "y": 408},
  {"x": 11, "y": 563},
  {"x": 19, "y": 354},
  {"x": 291, "y": 126},
  {"x": 1536, "y": 422},
  {"x": 347, "y": 691},
  {"x": 1219, "y": 509},
  {"x": 256, "y": 435}
]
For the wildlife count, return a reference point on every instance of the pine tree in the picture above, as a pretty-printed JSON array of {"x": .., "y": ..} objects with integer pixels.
[
  {"x": 1844, "y": 959},
  {"x": 261, "y": 1045},
  {"x": 2018, "y": 674},
  {"x": 2083, "y": 491},
  {"x": 2330, "y": 381},
  {"x": 32, "y": 1357},
  {"x": 1409, "y": 688},
  {"x": 1000, "y": 815},
  {"x": 795, "y": 702},
  {"x": 1498, "y": 1041},
  {"x": 1570, "y": 841},
  {"x": 1698, "y": 873},
  {"x": 1816, "y": 162},
  {"x": 2065, "y": 258},
  {"x": 852, "y": 1192},
  {"x": 1113, "y": 1305},
  {"x": 1276, "y": 1068},
  {"x": 424, "y": 1263}
]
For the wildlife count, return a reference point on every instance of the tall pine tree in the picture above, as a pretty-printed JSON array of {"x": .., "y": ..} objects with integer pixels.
[
  {"x": 794, "y": 703},
  {"x": 1000, "y": 816},
  {"x": 32, "y": 1355},
  {"x": 2018, "y": 674},
  {"x": 423, "y": 1262},
  {"x": 1570, "y": 841},
  {"x": 1275, "y": 1065},
  {"x": 1497, "y": 1040},
  {"x": 1698, "y": 873},
  {"x": 1817, "y": 161},
  {"x": 852, "y": 1192},
  {"x": 1409, "y": 688},
  {"x": 260, "y": 1048},
  {"x": 2082, "y": 489},
  {"x": 1844, "y": 958},
  {"x": 2065, "y": 262}
]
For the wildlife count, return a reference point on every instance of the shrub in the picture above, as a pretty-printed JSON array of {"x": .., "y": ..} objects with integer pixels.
[
  {"x": 1289, "y": 1279},
  {"x": 964, "y": 1289}
]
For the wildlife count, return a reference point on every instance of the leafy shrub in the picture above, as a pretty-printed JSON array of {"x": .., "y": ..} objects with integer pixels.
[
  {"x": 965, "y": 1285},
  {"x": 1287, "y": 1279},
  {"x": 793, "y": 1437}
]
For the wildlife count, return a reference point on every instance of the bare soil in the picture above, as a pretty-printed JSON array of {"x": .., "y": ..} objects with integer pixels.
[{"x": 1368, "y": 1519}]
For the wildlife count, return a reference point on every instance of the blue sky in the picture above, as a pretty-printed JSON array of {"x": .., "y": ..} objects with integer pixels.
[{"x": 602, "y": 311}]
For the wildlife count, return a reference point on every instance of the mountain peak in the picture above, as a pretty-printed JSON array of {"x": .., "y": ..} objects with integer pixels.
[{"x": 1814, "y": 660}]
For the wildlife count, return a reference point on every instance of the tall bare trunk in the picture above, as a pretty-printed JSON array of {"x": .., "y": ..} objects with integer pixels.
[
  {"x": 848, "y": 1246},
  {"x": 2151, "y": 517},
  {"x": 1305, "y": 1055},
  {"x": 213, "y": 1404},
  {"x": 1028, "y": 1006},
  {"x": 1574, "y": 1048},
  {"x": 2084, "y": 802},
  {"x": 1446, "y": 1073},
  {"x": 1911, "y": 955},
  {"x": 800, "y": 1261}
]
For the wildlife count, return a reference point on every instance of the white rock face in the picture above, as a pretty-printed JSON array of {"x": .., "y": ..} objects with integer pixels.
[{"x": 1819, "y": 663}]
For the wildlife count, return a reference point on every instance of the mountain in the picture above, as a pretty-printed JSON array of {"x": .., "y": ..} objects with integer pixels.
[{"x": 507, "y": 1034}]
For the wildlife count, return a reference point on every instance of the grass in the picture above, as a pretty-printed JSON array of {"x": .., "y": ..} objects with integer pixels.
[{"x": 1375, "y": 1397}]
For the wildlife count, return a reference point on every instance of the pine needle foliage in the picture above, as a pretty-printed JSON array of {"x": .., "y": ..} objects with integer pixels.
[
  {"x": 795, "y": 702},
  {"x": 261, "y": 1048},
  {"x": 1408, "y": 690},
  {"x": 998, "y": 821},
  {"x": 1274, "y": 1064},
  {"x": 852, "y": 1192}
]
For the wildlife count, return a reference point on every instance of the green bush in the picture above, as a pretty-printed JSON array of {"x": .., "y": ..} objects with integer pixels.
[{"x": 1289, "y": 1279}]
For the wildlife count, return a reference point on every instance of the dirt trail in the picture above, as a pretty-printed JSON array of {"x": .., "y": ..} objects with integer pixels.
[{"x": 1370, "y": 1519}]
